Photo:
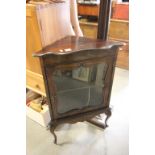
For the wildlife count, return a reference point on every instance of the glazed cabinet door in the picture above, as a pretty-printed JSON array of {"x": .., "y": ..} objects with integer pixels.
[{"x": 79, "y": 87}]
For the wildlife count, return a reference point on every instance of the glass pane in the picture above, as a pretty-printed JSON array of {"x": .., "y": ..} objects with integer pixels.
[{"x": 80, "y": 87}]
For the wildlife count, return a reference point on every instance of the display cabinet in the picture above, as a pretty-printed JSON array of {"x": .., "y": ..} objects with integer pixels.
[{"x": 78, "y": 74}]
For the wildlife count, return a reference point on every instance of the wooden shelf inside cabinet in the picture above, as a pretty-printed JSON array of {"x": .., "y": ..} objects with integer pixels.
[{"x": 78, "y": 74}]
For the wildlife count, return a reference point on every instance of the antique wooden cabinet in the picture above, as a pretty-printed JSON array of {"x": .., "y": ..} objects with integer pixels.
[{"x": 78, "y": 74}]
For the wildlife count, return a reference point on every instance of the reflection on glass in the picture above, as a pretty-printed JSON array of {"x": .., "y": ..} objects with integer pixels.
[{"x": 80, "y": 87}]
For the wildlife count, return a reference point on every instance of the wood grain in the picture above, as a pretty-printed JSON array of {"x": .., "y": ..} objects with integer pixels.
[
  {"x": 118, "y": 31},
  {"x": 88, "y": 10},
  {"x": 85, "y": 52},
  {"x": 35, "y": 82},
  {"x": 72, "y": 44},
  {"x": 33, "y": 39}
]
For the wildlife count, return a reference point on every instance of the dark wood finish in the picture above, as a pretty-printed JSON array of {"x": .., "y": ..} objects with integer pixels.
[
  {"x": 96, "y": 120},
  {"x": 72, "y": 44},
  {"x": 51, "y": 69},
  {"x": 67, "y": 54},
  {"x": 103, "y": 21}
]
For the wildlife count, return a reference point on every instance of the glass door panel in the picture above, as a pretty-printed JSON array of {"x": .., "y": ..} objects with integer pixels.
[{"x": 80, "y": 87}]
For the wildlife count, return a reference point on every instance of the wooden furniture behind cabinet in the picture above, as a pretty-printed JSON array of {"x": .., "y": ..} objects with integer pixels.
[
  {"x": 88, "y": 10},
  {"x": 118, "y": 31},
  {"x": 34, "y": 78}
]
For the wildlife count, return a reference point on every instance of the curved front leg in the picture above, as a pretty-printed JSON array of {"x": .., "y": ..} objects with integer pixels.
[
  {"x": 52, "y": 128},
  {"x": 108, "y": 114}
]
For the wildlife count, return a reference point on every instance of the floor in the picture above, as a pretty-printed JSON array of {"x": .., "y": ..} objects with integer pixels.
[{"x": 84, "y": 138}]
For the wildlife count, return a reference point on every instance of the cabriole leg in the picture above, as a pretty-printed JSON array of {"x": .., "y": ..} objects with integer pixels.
[
  {"x": 108, "y": 114},
  {"x": 52, "y": 128}
]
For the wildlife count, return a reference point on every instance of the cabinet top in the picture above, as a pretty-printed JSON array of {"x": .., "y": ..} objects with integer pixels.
[{"x": 71, "y": 44}]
